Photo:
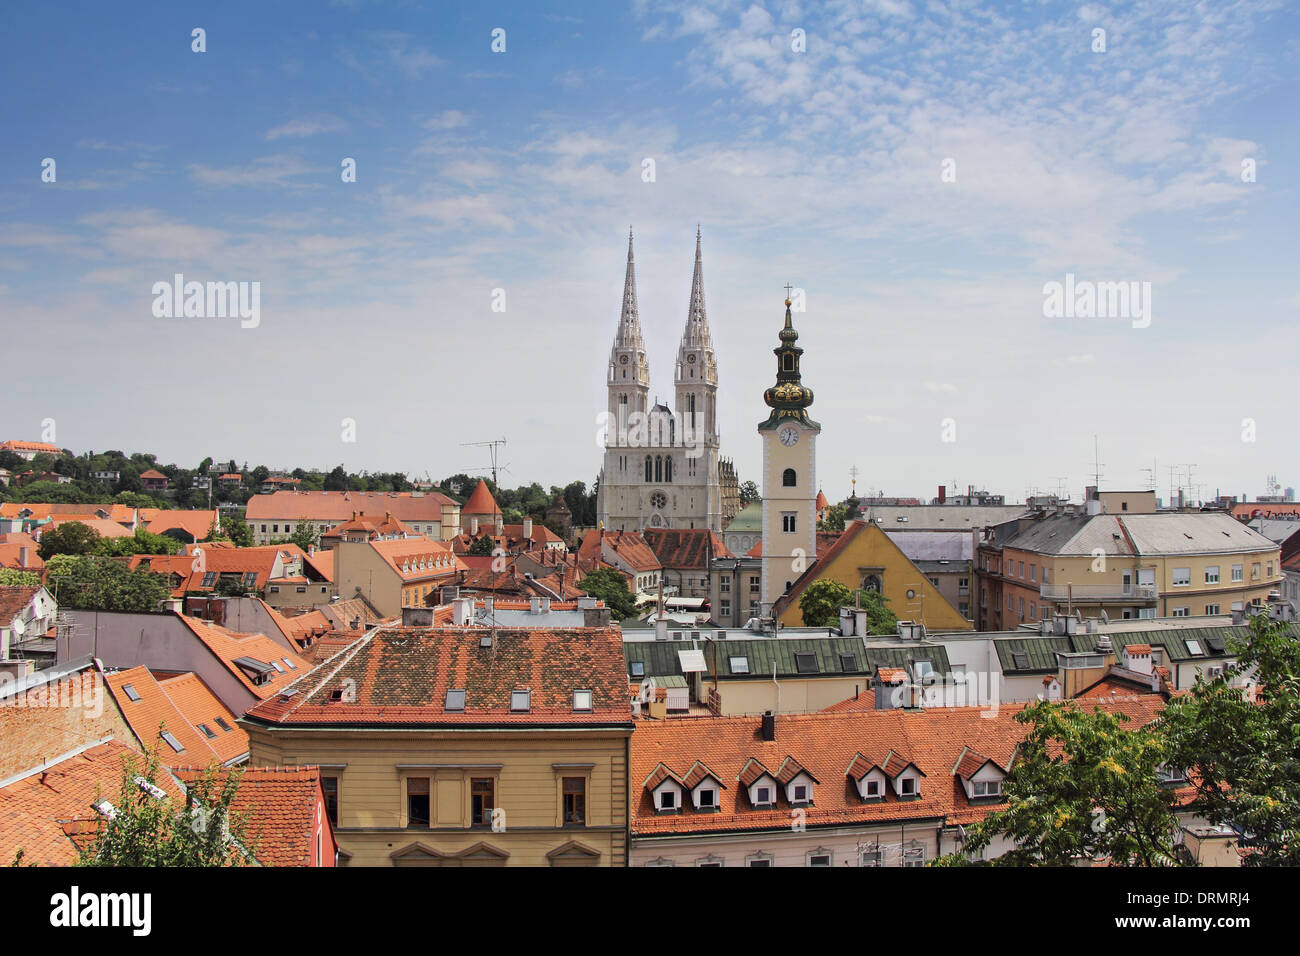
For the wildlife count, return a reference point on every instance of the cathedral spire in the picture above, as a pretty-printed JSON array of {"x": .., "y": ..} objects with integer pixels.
[
  {"x": 696, "y": 334},
  {"x": 629, "y": 323}
]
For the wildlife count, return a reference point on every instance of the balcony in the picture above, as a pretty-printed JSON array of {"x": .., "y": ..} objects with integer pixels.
[{"x": 1099, "y": 593}]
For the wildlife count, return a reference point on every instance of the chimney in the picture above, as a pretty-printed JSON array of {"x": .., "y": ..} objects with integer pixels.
[
  {"x": 943, "y": 493},
  {"x": 24, "y": 555},
  {"x": 769, "y": 726},
  {"x": 500, "y": 524},
  {"x": 473, "y": 526},
  {"x": 528, "y": 529}
]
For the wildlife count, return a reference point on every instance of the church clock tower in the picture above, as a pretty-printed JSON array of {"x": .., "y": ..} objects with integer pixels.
[{"x": 789, "y": 473}]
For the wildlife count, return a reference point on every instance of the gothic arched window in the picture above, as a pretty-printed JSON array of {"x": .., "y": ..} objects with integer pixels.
[
  {"x": 668, "y": 469},
  {"x": 659, "y": 468},
  {"x": 788, "y": 478},
  {"x": 649, "y": 475},
  {"x": 871, "y": 582}
]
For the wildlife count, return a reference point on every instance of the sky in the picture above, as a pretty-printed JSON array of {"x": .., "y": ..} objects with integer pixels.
[{"x": 923, "y": 171}]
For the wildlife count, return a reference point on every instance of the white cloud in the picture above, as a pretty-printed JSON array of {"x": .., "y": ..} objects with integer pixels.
[{"x": 307, "y": 126}]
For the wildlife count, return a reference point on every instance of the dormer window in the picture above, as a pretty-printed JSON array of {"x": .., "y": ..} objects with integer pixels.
[
  {"x": 707, "y": 798},
  {"x": 907, "y": 787},
  {"x": 871, "y": 790},
  {"x": 668, "y": 799},
  {"x": 763, "y": 796},
  {"x": 800, "y": 793},
  {"x": 986, "y": 788}
]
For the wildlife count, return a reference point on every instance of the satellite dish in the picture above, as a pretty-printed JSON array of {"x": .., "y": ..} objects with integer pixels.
[{"x": 1104, "y": 617}]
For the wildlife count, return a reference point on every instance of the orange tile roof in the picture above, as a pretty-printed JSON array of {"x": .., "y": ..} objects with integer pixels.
[
  {"x": 36, "y": 446},
  {"x": 396, "y": 676},
  {"x": 279, "y": 806},
  {"x": 822, "y": 503},
  {"x": 153, "y": 714},
  {"x": 197, "y": 524},
  {"x": 628, "y": 545},
  {"x": 101, "y": 526},
  {"x": 153, "y": 474},
  {"x": 406, "y": 555},
  {"x": 832, "y": 744},
  {"x": 13, "y": 599},
  {"x": 685, "y": 548},
  {"x": 40, "y": 813},
  {"x": 480, "y": 502},
  {"x": 1138, "y": 648},
  {"x": 199, "y": 706},
  {"x": 39, "y": 511},
  {"x": 337, "y": 506},
  {"x": 11, "y": 553},
  {"x": 229, "y": 646}
]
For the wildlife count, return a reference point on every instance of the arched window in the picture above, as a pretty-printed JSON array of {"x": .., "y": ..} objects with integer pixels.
[
  {"x": 788, "y": 362},
  {"x": 871, "y": 582},
  {"x": 787, "y": 478},
  {"x": 649, "y": 475},
  {"x": 668, "y": 469},
  {"x": 659, "y": 468}
]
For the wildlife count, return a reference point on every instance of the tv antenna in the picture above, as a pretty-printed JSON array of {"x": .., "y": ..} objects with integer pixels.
[{"x": 492, "y": 447}]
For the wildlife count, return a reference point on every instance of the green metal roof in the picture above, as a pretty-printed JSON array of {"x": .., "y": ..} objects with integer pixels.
[
  {"x": 1174, "y": 641},
  {"x": 1039, "y": 651},
  {"x": 661, "y": 660},
  {"x": 750, "y": 518},
  {"x": 904, "y": 657}
]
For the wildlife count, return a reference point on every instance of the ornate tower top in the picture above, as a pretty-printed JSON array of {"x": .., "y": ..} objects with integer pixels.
[
  {"x": 789, "y": 398},
  {"x": 629, "y": 323}
]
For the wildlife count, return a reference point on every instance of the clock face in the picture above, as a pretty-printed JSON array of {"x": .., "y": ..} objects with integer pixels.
[
  {"x": 788, "y": 436},
  {"x": 691, "y": 358},
  {"x": 623, "y": 359}
]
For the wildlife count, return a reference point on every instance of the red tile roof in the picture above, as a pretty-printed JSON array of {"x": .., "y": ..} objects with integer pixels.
[
  {"x": 337, "y": 506},
  {"x": 30, "y": 446},
  {"x": 398, "y": 676},
  {"x": 830, "y": 745},
  {"x": 153, "y": 475},
  {"x": 230, "y": 646},
  {"x": 40, "y": 813},
  {"x": 629, "y": 546},
  {"x": 199, "y": 706},
  {"x": 418, "y": 559},
  {"x": 197, "y": 524},
  {"x": 13, "y": 599},
  {"x": 279, "y": 809},
  {"x": 685, "y": 548},
  {"x": 154, "y": 713},
  {"x": 480, "y": 502}
]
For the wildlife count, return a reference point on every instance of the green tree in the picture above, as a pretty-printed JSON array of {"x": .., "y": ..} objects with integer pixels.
[
  {"x": 834, "y": 520},
  {"x": 136, "y": 499},
  {"x": 234, "y": 529},
  {"x": 145, "y": 828},
  {"x": 1083, "y": 788},
  {"x": 230, "y": 587},
  {"x": 336, "y": 480},
  {"x": 611, "y": 587},
  {"x": 73, "y": 537},
  {"x": 1243, "y": 756},
  {"x": 142, "y": 542},
  {"x": 14, "y": 578},
  {"x": 483, "y": 546},
  {"x": 304, "y": 535},
  {"x": 821, "y": 602},
  {"x": 880, "y": 619},
  {"x": 93, "y": 583},
  {"x": 54, "y": 493},
  {"x": 749, "y": 493}
]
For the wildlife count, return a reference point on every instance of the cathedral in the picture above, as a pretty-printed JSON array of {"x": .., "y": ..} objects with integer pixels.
[{"x": 662, "y": 467}]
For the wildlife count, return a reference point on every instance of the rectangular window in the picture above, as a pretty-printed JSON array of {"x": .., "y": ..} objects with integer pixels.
[
  {"x": 907, "y": 786},
  {"x": 986, "y": 788},
  {"x": 1254, "y": 571},
  {"x": 788, "y": 522},
  {"x": 1033, "y": 572},
  {"x": 417, "y": 801},
  {"x": 1237, "y": 572},
  {"x": 1182, "y": 577},
  {"x": 330, "y": 790},
  {"x": 872, "y": 788},
  {"x": 1182, "y": 612},
  {"x": 482, "y": 792},
  {"x": 638, "y": 668},
  {"x": 755, "y": 585},
  {"x": 726, "y": 608},
  {"x": 871, "y": 856},
  {"x": 582, "y": 700},
  {"x": 819, "y": 859},
  {"x": 763, "y": 796},
  {"x": 800, "y": 794},
  {"x": 519, "y": 701},
  {"x": 1021, "y": 573},
  {"x": 455, "y": 702},
  {"x": 1212, "y": 574},
  {"x": 724, "y": 586},
  {"x": 575, "y": 801},
  {"x": 1211, "y": 609},
  {"x": 707, "y": 798}
]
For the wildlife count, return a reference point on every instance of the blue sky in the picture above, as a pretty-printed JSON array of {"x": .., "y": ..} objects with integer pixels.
[{"x": 522, "y": 170}]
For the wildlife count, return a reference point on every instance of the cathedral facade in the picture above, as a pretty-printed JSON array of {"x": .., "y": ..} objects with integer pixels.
[{"x": 662, "y": 465}]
